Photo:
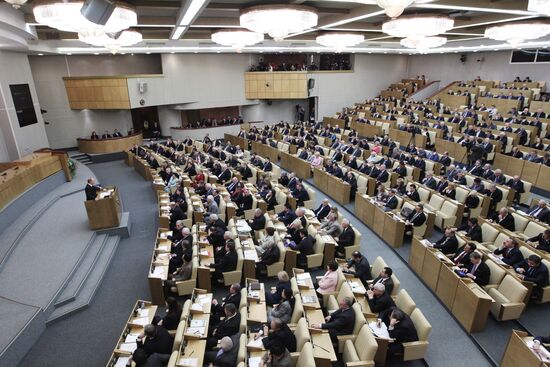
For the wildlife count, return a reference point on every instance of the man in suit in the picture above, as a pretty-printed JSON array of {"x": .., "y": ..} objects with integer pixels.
[
  {"x": 341, "y": 321},
  {"x": 217, "y": 308},
  {"x": 157, "y": 340},
  {"x": 495, "y": 194},
  {"x": 533, "y": 270},
  {"x": 498, "y": 177},
  {"x": 267, "y": 167},
  {"x": 279, "y": 333},
  {"x": 228, "y": 326},
  {"x": 176, "y": 214},
  {"x": 225, "y": 175},
  {"x": 91, "y": 189},
  {"x": 300, "y": 194},
  {"x": 226, "y": 356},
  {"x": 384, "y": 278},
  {"x": 509, "y": 252},
  {"x": 540, "y": 212},
  {"x": 472, "y": 229},
  {"x": 383, "y": 176},
  {"x": 400, "y": 328},
  {"x": 415, "y": 219},
  {"x": 378, "y": 299},
  {"x": 391, "y": 201},
  {"x": 447, "y": 244},
  {"x": 323, "y": 210},
  {"x": 476, "y": 169},
  {"x": 429, "y": 181},
  {"x": 245, "y": 203},
  {"x": 346, "y": 238},
  {"x": 516, "y": 184},
  {"x": 226, "y": 262},
  {"x": 359, "y": 266},
  {"x": 287, "y": 216},
  {"x": 258, "y": 222},
  {"x": 477, "y": 270},
  {"x": 462, "y": 257},
  {"x": 506, "y": 220}
]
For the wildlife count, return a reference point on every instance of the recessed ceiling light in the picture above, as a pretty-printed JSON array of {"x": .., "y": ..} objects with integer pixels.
[
  {"x": 132, "y": 54},
  {"x": 96, "y": 53},
  {"x": 40, "y": 54},
  {"x": 123, "y": 53},
  {"x": 148, "y": 53},
  {"x": 174, "y": 52},
  {"x": 475, "y": 50},
  {"x": 218, "y": 52}
]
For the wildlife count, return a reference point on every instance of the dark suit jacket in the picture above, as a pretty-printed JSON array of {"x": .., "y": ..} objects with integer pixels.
[
  {"x": 391, "y": 203},
  {"x": 447, "y": 245},
  {"x": 322, "y": 211},
  {"x": 543, "y": 215},
  {"x": 228, "y": 262},
  {"x": 228, "y": 326},
  {"x": 285, "y": 336},
  {"x": 474, "y": 233},
  {"x": 362, "y": 269},
  {"x": 381, "y": 303},
  {"x": 258, "y": 223},
  {"x": 508, "y": 222},
  {"x": 417, "y": 220},
  {"x": 91, "y": 191},
  {"x": 341, "y": 322},
  {"x": 482, "y": 273},
  {"x": 225, "y": 176},
  {"x": 162, "y": 342},
  {"x": 347, "y": 237},
  {"x": 510, "y": 257},
  {"x": 229, "y": 358},
  {"x": 538, "y": 275},
  {"x": 404, "y": 331}
]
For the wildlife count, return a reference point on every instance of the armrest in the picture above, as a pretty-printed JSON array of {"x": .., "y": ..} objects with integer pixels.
[
  {"x": 360, "y": 364},
  {"x": 342, "y": 340}
]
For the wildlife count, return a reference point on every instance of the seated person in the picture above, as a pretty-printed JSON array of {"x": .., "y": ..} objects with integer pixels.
[
  {"x": 269, "y": 257},
  {"x": 227, "y": 262},
  {"x": 330, "y": 226},
  {"x": 276, "y": 356},
  {"x": 323, "y": 210},
  {"x": 477, "y": 270},
  {"x": 327, "y": 283},
  {"x": 258, "y": 222},
  {"x": 226, "y": 356},
  {"x": 276, "y": 293},
  {"x": 157, "y": 340},
  {"x": 543, "y": 239},
  {"x": 228, "y": 326},
  {"x": 182, "y": 273},
  {"x": 379, "y": 300},
  {"x": 359, "y": 266},
  {"x": 540, "y": 212},
  {"x": 448, "y": 244},
  {"x": 533, "y": 270},
  {"x": 346, "y": 238},
  {"x": 217, "y": 308},
  {"x": 287, "y": 216},
  {"x": 416, "y": 219},
  {"x": 305, "y": 246},
  {"x": 173, "y": 315},
  {"x": 506, "y": 220},
  {"x": 340, "y": 322},
  {"x": 400, "y": 328},
  {"x": 284, "y": 308},
  {"x": 384, "y": 278},
  {"x": 509, "y": 252},
  {"x": 266, "y": 241},
  {"x": 279, "y": 333}
]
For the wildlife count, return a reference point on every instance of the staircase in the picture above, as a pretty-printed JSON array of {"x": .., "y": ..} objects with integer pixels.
[
  {"x": 85, "y": 278},
  {"x": 82, "y": 158}
]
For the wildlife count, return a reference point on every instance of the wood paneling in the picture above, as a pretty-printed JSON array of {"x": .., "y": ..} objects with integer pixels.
[
  {"x": 112, "y": 145},
  {"x": 98, "y": 93},
  {"x": 276, "y": 85}
]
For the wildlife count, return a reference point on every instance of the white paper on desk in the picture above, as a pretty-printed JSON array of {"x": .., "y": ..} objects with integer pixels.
[
  {"x": 131, "y": 338},
  {"x": 191, "y": 362},
  {"x": 426, "y": 243},
  {"x": 163, "y": 235},
  {"x": 198, "y": 323},
  {"x": 164, "y": 256},
  {"x": 163, "y": 248},
  {"x": 254, "y": 294},
  {"x": 128, "y": 347},
  {"x": 167, "y": 208},
  {"x": 250, "y": 254},
  {"x": 122, "y": 361},
  {"x": 254, "y": 361},
  {"x": 158, "y": 272},
  {"x": 303, "y": 276},
  {"x": 542, "y": 352},
  {"x": 255, "y": 343},
  {"x": 195, "y": 331},
  {"x": 300, "y": 282},
  {"x": 355, "y": 285},
  {"x": 196, "y": 307},
  {"x": 381, "y": 332},
  {"x": 143, "y": 312},
  {"x": 140, "y": 321}
]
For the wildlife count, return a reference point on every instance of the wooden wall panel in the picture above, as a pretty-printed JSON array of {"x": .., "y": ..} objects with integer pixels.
[
  {"x": 97, "y": 93},
  {"x": 276, "y": 85}
]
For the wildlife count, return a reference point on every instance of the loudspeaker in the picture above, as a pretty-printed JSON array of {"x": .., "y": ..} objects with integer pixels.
[
  {"x": 310, "y": 83},
  {"x": 98, "y": 11}
]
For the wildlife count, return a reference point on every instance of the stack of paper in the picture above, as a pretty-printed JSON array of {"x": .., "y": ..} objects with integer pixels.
[
  {"x": 196, "y": 307},
  {"x": 122, "y": 361},
  {"x": 197, "y": 323},
  {"x": 195, "y": 331},
  {"x": 250, "y": 254},
  {"x": 158, "y": 272},
  {"x": 254, "y": 361},
  {"x": 140, "y": 321},
  {"x": 303, "y": 276},
  {"x": 255, "y": 343},
  {"x": 191, "y": 362},
  {"x": 131, "y": 338},
  {"x": 128, "y": 347}
]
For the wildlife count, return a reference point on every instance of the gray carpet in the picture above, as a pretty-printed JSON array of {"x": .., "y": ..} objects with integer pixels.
[{"x": 88, "y": 338}]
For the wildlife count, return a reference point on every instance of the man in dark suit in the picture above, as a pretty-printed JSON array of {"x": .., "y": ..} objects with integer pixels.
[
  {"x": 176, "y": 213},
  {"x": 300, "y": 194},
  {"x": 476, "y": 169},
  {"x": 228, "y": 326},
  {"x": 378, "y": 299},
  {"x": 225, "y": 175},
  {"x": 400, "y": 328},
  {"x": 279, "y": 333},
  {"x": 477, "y": 270},
  {"x": 245, "y": 203},
  {"x": 341, "y": 321},
  {"x": 385, "y": 278},
  {"x": 91, "y": 189},
  {"x": 540, "y": 212},
  {"x": 359, "y": 266},
  {"x": 506, "y": 220},
  {"x": 516, "y": 184},
  {"x": 391, "y": 201},
  {"x": 429, "y": 181},
  {"x": 472, "y": 229},
  {"x": 533, "y": 270},
  {"x": 157, "y": 340},
  {"x": 509, "y": 252},
  {"x": 447, "y": 244},
  {"x": 495, "y": 194},
  {"x": 267, "y": 167},
  {"x": 322, "y": 211},
  {"x": 346, "y": 238},
  {"x": 226, "y": 356},
  {"x": 227, "y": 262},
  {"x": 258, "y": 222},
  {"x": 462, "y": 256},
  {"x": 415, "y": 219},
  {"x": 217, "y": 308}
]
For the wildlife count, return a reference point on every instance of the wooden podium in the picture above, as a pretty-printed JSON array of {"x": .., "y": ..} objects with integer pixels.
[{"x": 105, "y": 210}]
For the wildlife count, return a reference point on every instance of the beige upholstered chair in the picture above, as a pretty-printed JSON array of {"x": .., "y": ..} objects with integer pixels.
[
  {"x": 497, "y": 274},
  {"x": 435, "y": 203},
  {"x": 508, "y": 298},
  {"x": 377, "y": 266},
  {"x": 356, "y": 244},
  {"x": 361, "y": 352},
  {"x": 488, "y": 233},
  {"x": 173, "y": 359},
  {"x": 531, "y": 230},
  {"x": 341, "y": 280},
  {"x": 241, "y": 355},
  {"x": 230, "y": 277},
  {"x": 309, "y": 204},
  {"x": 278, "y": 266},
  {"x": 417, "y": 350},
  {"x": 178, "y": 338},
  {"x": 446, "y": 216},
  {"x": 302, "y": 337},
  {"x": 360, "y": 321},
  {"x": 404, "y": 302},
  {"x": 333, "y": 300},
  {"x": 186, "y": 287},
  {"x": 520, "y": 222},
  {"x": 315, "y": 260},
  {"x": 297, "y": 312},
  {"x": 306, "y": 358}
]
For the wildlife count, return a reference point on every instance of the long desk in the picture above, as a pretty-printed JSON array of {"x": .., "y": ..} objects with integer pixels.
[
  {"x": 294, "y": 164},
  {"x": 110, "y": 145},
  {"x": 339, "y": 190},
  {"x": 519, "y": 353},
  {"x": 265, "y": 151},
  {"x": 536, "y": 173},
  {"x": 405, "y": 138},
  {"x": 236, "y": 140},
  {"x": 466, "y": 300},
  {"x": 334, "y": 122},
  {"x": 366, "y": 129}
]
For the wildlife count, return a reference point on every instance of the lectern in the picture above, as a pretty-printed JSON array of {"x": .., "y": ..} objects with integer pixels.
[{"x": 105, "y": 210}]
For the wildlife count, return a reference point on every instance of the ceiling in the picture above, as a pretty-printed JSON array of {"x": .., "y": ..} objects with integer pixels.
[{"x": 157, "y": 20}]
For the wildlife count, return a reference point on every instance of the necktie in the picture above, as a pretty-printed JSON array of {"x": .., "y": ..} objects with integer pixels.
[
  {"x": 536, "y": 212},
  {"x": 474, "y": 268},
  {"x": 459, "y": 257}
]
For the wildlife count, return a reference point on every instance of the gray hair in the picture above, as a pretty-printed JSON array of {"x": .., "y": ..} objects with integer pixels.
[{"x": 226, "y": 343}]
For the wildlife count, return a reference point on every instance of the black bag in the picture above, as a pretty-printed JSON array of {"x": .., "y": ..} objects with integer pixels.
[{"x": 405, "y": 212}]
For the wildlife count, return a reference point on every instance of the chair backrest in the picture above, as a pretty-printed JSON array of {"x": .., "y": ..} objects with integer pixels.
[
  {"x": 366, "y": 344},
  {"x": 319, "y": 246},
  {"x": 244, "y": 296},
  {"x": 306, "y": 358},
  {"x": 178, "y": 338},
  {"x": 488, "y": 232},
  {"x": 526, "y": 252},
  {"x": 244, "y": 316},
  {"x": 423, "y": 327},
  {"x": 449, "y": 208},
  {"x": 345, "y": 291},
  {"x": 294, "y": 287},
  {"x": 405, "y": 302},
  {"x": 357, "y": 238},
  {"x": 461, "y": 194},
  {"x": 500, "y": 239},
  {"x": 520, "y": 222},
  {"x": 436, "y": 201},
  {"x": 533, "y": 229},
  {"x": 194, "y": 268},
  {"x": 377, "y": 266},
  {"x": 497, "y": 272},
  {"x": 282, "y": 251},
  {"x": 241, "y": 356},
  {"x": 240, "y": 259},
  {"x": 512, "y": 289},
  {"x": 298, "y": 310},
  {"x": 396, "y": 284},
  {"x": 302, "y": 333},
  {"x": 359, "y": 318},
  {"x": 424, "y": 194}
]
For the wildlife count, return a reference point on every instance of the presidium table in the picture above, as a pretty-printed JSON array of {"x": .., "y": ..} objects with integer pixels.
[{"x": 105, "y": 211}]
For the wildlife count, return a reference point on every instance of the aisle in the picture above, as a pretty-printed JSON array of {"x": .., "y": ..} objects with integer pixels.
[{"x": 88, "y": 338}]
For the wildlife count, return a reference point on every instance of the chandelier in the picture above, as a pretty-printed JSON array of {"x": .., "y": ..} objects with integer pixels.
[
  {"x": 16, "y": 3},
  {"x": 278, "y": 20},
  {"x": 98, "y": 37},
  {"x": 417, "y": 26},
  {"x": 423, "y": 43},
  {"x": 339, "y": 41},
  {"x": 539, "y": 6},
  {"x": 237, "y": 38},
  {"x": 518, "y": 32},
  {"x": 394, "y": 8},
  {"x": 66, "y": 16}
]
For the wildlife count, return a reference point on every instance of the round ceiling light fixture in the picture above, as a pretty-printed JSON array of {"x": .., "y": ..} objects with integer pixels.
[
  {"x": 16, "y": 3},
  {"x": 423, "y": 43},
  {"x": 417, "y": 26},
  {"x": 278, "y": 21},
  {"x": 539, "y": 6},
  {"x": 394, "y": 8},
  {"x": 517, "y": 33},
  {"x": 66, "y": 16},
  {"x": 98, "y": 37},
  {"x": 237, "y": 38},
  {"x": 340, "y": 41}
]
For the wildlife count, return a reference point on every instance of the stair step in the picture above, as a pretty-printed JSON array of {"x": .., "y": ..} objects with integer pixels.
[
  {"x": 82, "y": 270},
  {"x": 90, "y": 286}
]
